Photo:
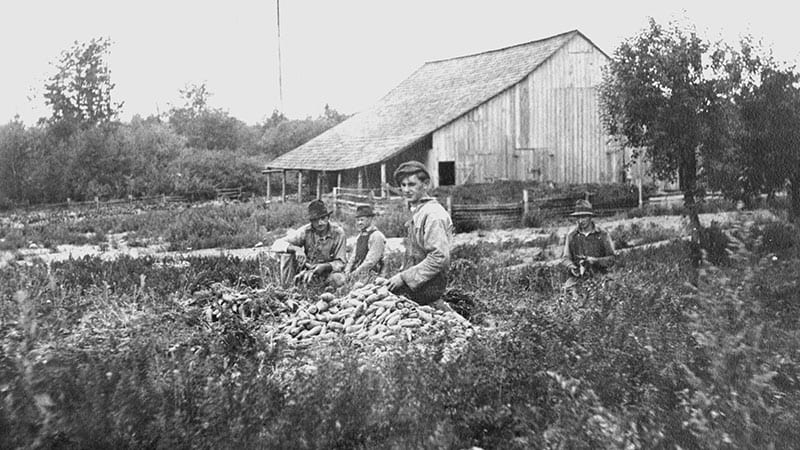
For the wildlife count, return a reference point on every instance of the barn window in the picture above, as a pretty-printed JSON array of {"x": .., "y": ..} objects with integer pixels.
[{"x": 447, "y": 173}]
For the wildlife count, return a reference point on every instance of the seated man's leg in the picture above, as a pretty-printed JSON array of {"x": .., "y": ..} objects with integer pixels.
[{"x": 288, "y": 268}]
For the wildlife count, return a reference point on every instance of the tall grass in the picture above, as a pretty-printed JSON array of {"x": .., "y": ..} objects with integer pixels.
[{"x": 105, "y": 354}]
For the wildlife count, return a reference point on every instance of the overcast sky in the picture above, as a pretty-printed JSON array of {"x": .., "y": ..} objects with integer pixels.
[{"x": 346, "y": 53}]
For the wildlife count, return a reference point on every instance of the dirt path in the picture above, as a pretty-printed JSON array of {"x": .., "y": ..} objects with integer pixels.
[{"x": 117, "y": 246}]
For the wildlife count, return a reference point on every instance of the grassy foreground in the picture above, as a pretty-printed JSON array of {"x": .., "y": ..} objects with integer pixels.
[{"x": 109, "y": 355}]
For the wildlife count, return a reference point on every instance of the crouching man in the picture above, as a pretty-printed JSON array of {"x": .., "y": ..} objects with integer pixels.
[
  {"x": 587, "y": 248},
  {"x": 324, "y": 245},
  {"x": 430, "y": 234},
  {"x": 368, "y": 256}
]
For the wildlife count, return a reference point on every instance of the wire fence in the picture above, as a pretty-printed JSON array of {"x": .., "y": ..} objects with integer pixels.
[{"x": 189, "y": 197}]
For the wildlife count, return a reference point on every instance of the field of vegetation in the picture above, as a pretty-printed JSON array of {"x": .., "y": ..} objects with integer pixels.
[{"x": 110, "y": 354}]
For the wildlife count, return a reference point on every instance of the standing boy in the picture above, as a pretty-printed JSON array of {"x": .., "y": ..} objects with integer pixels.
[{"x": 430, "y": 233}]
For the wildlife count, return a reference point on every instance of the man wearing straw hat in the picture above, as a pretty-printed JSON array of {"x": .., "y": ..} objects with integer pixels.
[
  {"x": 430, "y": 234},
  {"x": 324, "y": 245},
  {"x": 368, "y": 256},
  {"x": 587, "y": 248}
]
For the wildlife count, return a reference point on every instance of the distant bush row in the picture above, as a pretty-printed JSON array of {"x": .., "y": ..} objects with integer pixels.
[{"x": 53, "y": 162}]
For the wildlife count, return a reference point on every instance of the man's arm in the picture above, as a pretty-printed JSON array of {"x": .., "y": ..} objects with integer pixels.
[
  {"x": 376, "y": 246},
  {"x": 566, "y": 258},
  {"x": 609, "y": 253},
  {"x": 437, "y": 254},
  {"x": 340, "y": 253}
]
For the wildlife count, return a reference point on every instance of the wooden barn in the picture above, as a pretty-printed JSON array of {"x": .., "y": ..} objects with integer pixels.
[{"x": 526, "y": 112}]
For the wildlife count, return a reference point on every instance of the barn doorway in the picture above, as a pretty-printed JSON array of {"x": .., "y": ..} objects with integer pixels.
[{"x": 447, "y": 173}]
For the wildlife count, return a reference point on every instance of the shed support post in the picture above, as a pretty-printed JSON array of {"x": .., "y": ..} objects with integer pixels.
[
  {"x": 283, "y": 186},
  {"x": 319, "y": 185},
  {"x": 360, "y": 179},
  {"x": 339, "y": 180},
  {"x": 299, "y": 186},
  {"x": 383, "y": 180},
  {"x": 449, "y": 206},
  {"x": 269, "y": 187},
  {"x": 335, "y": 200}
]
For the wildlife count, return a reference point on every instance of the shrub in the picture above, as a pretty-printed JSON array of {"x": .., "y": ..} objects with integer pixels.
[
  {"x": 778, "y": 237},
  {"x": 715, "y": 243},
  {"x": 534, "y": 219},
  {"x": 634, "y": 234}
]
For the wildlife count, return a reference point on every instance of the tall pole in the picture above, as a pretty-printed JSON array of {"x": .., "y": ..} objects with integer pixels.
[{"x": 280, "y": 69}]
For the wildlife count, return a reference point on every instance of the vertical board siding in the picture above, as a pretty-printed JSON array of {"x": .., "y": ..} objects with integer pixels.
[{"x": 546, "y": 127}]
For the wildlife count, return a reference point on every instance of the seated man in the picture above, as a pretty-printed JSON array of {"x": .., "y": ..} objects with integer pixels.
[
  {"x": 587, "y": 248},
  {"x": 430, "y": 234},
  {"x": 324, "y": 245},
  {"x": 368, "y": 256}
]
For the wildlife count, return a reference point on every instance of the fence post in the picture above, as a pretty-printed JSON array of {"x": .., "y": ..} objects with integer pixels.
[
  {"x": 639, "y": 182},
  {"x": 449, "y": 203},
  {"x": 69, "y": 202},
  {"x": 525, "y": 205},
  {"x": 163, "y": 199},
  {"x": 96, "y": 202}
]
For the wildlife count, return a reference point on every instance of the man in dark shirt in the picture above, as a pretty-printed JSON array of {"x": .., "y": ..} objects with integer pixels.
[{"x": 587, "y": 249}]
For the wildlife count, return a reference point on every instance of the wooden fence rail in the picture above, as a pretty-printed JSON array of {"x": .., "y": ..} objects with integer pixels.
[{"x": 497, "y": 213}]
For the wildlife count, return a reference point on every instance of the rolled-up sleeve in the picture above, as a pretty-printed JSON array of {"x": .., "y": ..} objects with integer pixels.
[
  {"x": 436, "y": 245},
  {"x": 297, "y": 237},
  {"x": 377, "y": 243}
]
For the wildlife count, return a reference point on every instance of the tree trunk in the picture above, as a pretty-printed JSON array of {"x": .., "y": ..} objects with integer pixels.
[
  {"x": 794, "y": 192},
  {"x": 689, "y": 182}
]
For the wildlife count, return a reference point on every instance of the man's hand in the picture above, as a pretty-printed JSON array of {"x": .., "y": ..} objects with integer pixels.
[
  {"x": 590, "y": 259},
  {"x": 305, "y": 276},
  {"x": 395, "y": 282}
]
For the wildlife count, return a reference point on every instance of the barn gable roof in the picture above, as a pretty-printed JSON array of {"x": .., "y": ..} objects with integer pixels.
[{"x": 433, "y": 96}]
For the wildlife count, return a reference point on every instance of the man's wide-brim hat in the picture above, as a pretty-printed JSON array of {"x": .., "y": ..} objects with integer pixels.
[
  {"x": 582, "y": 208},
  {"x": 364, "y": 211},
  {"x": 409, "y": 168},
  {"x": 317, "y": 210}
]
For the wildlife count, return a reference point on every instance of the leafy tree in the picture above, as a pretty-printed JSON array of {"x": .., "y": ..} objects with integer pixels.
[
  {"x": 79, "y": 93},
  {"x": 206, "y": 128},
  {"x": 275, "y": 119},
  {"x": 768, "y": 129},
  {"x": 19, "y": 149},
  {"x": 660, "y": 96},
  {"x": 148, "y": 147},
  {"x": 281, "y": 135}
]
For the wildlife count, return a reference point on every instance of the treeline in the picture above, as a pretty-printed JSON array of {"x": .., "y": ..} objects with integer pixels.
[
  {"x": 147, "y": 156},
  {"x": 83, "y": 151}
]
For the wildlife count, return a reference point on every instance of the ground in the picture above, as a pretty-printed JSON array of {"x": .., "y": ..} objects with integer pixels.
[{"x": 117, "y": 245}]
